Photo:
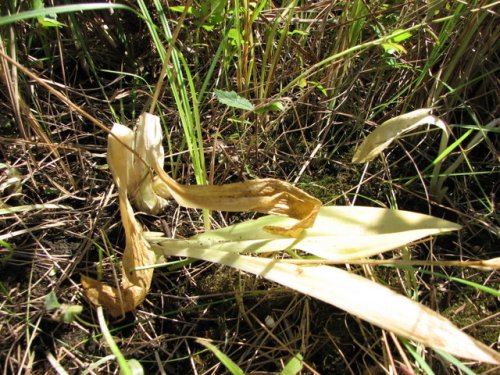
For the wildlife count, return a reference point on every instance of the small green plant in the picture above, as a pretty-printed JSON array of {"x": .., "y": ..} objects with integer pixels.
[
  {"x": 64, "y": 312},
  {"x": 292, "y": 367},
  {"x": 127, "y": 367}
]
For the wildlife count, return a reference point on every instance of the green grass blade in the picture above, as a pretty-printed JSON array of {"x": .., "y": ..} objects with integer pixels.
[
  {"x": 41, "y": 12},
  {"x": 225, "y": 360},
  {"x": 293, "y": 366},
  {"x": 481, "y": 287},
  {"x": 126, "y": 367},
  {"x": 451, "y": 359},
  {"x": 418, "y": 358}
]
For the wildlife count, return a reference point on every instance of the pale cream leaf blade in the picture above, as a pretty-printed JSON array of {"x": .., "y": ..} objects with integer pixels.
[
  {"x": 386, "y": 133},
  {"x": 359, "y": 296},
  {"x": 338, "y": 233}
]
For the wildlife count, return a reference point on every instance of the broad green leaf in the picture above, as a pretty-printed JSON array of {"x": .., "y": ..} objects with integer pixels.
[
  {"x": 232, "y": 99},
  {"x": 235, "y": 37},
  {"x": 338, "y": 233},
  {"x": 225, "y": 360},
  {"x": 276, "y": 105},
  {"x": 399, "y": 37},
  {"x": 390, "y": 130},
  {"x": 357, "y": 295},
  {"x": 51, "y": 301}
]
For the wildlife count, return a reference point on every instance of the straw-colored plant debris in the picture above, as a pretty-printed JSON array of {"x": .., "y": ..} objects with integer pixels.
[
  {"x": 135, "y": 284},
  {"x": 392, "y": 129},
  {"x": 131, "y": 171},
  {"x": 339, "y": 233},
  {"x": 262, "y": 195}
]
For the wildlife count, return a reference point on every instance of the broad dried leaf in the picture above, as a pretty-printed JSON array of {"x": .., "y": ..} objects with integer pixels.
[
  {"x": 357, "y": 295},
  {"x": 141, "y": 184},
  {"x": 132, "y": 176},
  {"x": 134, "y": 285},
  {"x": 261, "y": 195},
  {"x": 390, "y": 130},
  {"x": 339, "y": 233}
]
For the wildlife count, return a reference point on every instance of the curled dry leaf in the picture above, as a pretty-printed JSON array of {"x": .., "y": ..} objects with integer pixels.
[
  {"x": 262, "y": 195},
  {"x": 132, "y": 175},
  {"x": 390, "y": 130},
  {"x": 134, "y": 285}
]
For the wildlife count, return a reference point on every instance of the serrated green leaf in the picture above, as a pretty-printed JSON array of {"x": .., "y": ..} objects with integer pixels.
[{"x": 232, "y": 99}]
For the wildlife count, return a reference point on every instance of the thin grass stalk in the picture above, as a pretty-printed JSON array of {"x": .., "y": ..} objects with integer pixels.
[
  {"x": 239, "y": 62},
  {"x": 82, "y": 45},
  {"x": 289, "y": 12},
  {"x": 189, "y": 117},
  {"x": 468, "y": 32},
  {"x": 159, "y": 83},
  {"x": 247, "y": 41},
  {"x": 61, "y": 9},
  {"x": 355, "y": 14},
  {"x": 22, "y": 109},
  {"x": 319, "y": 66}
]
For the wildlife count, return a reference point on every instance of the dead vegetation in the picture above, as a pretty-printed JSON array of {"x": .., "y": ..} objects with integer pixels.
[{"x": 53, "y": 165}]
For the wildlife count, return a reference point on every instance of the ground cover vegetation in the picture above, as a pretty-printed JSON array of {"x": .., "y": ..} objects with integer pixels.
[{"x": 243, "y": 91}]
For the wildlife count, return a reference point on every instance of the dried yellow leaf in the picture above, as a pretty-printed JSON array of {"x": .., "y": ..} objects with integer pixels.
[
  {"x": 268, "y": 195},
  {"x": 262, "y": 195},
  {"x": 392, "y": 129},
  {"x": 134, "y": 285},
  {"x": 131, "y": 172}
]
